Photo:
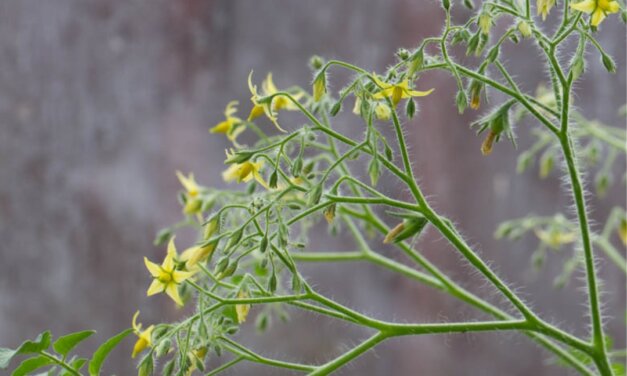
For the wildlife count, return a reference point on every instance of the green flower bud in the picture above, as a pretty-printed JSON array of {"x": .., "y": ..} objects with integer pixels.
[
  {"x": 547, "y": 161},
  {"x": 578, "y": 67},
  {"x": 374, "y": 171},
  {"x": 263, "y": 244},
  {"x": 315, "y": 194},
  {"x": 274, "y": 180},
  {"x": 608, "y": 63},
  {"x": 524, "y": 162},
  {"x": 461, "y": 101},
  {"x": 410, "y": 108},
  {"x": 316, "y": 62},
  {"x": 402, "y": 54}
]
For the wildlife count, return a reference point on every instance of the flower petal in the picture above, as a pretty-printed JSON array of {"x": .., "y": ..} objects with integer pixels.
[
  {"x": 586, "y": 6},
  {"x": 268, "y": 86},
  {"x": 189, "y": 183},
  {"x": 156, "y": 287},
  {"x": 179, "y": 276},
  {"x": 136, "y": 327},
  {"x": 173, "y": 292},
  {"x": 154, "y": 269},
  {"x": 597, "y": 17},
  {"x": 418, "y": 93}
]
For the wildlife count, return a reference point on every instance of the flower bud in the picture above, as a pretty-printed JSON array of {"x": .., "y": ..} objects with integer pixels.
[
  {"x": 228, "y": 271},
  {"x": 622, "y": 230},
  {"x": 274, "y": 180},
  {"x": 608, "y": 62},
  {"x": 315, "y": 194},
  {"x": 461, "y": 101},
  {"x": 475, "y": 94},
  {"x": 316, "y": 62},
  {"x": 547, "y": 161},
  {"x": 410, "y": 108},
  {"x": 417, "y": 60},
  {"x": 382, "y": 112},
  {"x": 212, "y": 228},
  {"x": 238, "y": 157},
  {"x": 602, "y": 184},
  {"x": 485, "y": 23},
  {"x": 469, "y": 4},
  {"x": 488, "y": 142},
  {"x": 329, "y": 213},
  {"x": 524, "y": 161},
  {"x": 374, "y": 171},
  {"x": 446, "y": 4},
  {"x": 578, "y": 67},
  {"x": 319, "y": 86},
  {"x": 336, "y": 108},
  {"x": 402, "y": 54},
  {"x": 263, "y": 244},
  {"x": 524, "y": 29},
  {"x": 408, "y": 228},
  {"x": 297, "y": 167}
]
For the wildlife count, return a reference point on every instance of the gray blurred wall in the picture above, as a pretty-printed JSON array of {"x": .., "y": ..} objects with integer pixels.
[{"x": 101, "y": 101}]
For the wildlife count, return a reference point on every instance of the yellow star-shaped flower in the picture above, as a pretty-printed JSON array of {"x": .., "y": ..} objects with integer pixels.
[
  {"x": 232, "y": 125},
  {"x": 397, "y": 91},
  {"x": 244, "y": 172},
  {"x": 278, "y": 103},
  {"x": 599, "y": 9},
  {"x": 555, "y": 238},
  {"x": 166, "y": 277},
  {"x": 144, "y": 339},
  {"x": 192, "y": 202}
]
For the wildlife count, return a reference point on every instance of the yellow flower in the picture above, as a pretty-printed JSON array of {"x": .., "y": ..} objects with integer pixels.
[
  {"x": 192, "y": 203},
  {"x": 144, "y": 339},
  {"x": 397, "y": 91},
  {"x": 269, "y": 109},
  {"x": 242, "y": 309},
  {"x": 244, "y": 172},
  {"x": 544, "y": 7},
  {"x": 230, "y": 126},
  {"x": 166, "y": 277},
  {"x": 555, "y": 238},
  {"x": 599, "y": 9}
]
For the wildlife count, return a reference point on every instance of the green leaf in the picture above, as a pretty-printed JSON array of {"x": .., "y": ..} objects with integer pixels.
[
  {"x": 103, "y": 351},
  {"x": 29, "y": 365},
  {"x": 27, "y": 347},
  {"x": 66, "y": 343}
]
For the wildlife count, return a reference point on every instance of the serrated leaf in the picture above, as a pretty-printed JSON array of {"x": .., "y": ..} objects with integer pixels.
[
  {"x": 103, "y": 351},
  {"x": 66, "y": 343},
  {"x": 27, "y": 347},
  {"x": 29, "y": 365}
]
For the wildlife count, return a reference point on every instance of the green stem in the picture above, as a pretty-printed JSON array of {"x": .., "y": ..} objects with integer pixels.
[{"x": 348, "y": 356}]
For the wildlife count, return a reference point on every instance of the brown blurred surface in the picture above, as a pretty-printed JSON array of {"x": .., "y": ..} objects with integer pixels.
[{"x": 100, "y": 101}]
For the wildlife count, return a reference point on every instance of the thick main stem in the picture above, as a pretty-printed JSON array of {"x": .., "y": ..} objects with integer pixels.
[{"x": 598, "y": 337}]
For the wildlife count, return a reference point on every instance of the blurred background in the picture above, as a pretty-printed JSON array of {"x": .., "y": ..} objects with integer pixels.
[{"x": 101, "y": 101}]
